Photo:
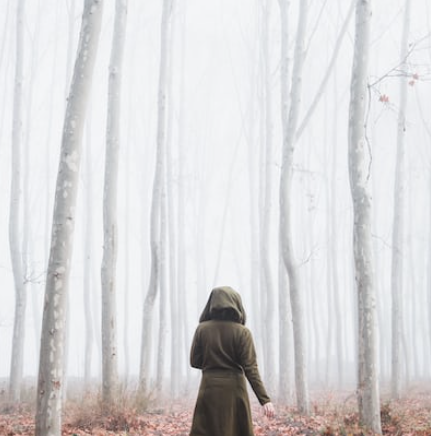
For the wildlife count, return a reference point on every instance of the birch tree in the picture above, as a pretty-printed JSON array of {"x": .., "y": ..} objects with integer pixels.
[
  {"x": 126, "y": 330},
  {"x": 289, "y": 125},
  {"x": 69, "y": 63},
  {"x": 37, "y": 298},
  {"x": 16, "y": 368},
  {"x": 27, "y": 234},
  {"x": 88, "y": 256},
  {"x": 155, "y": 229},
  {"x": 110, "y": 231},
  {"x": 333, "y": 266},
  {"x": 171, "y": 250},
  {"x": 285, "y": 314},
  {"x": 267, "y": 281},
  {"x": 359, "y": 172},
  {"x": 285, "y": 335},
  {"x": 252, "y": 170},
  {"x": 183, "y": 334},
  {"x": 178, "y": 273},
  {"x": 251, "y": 132},
  {"x": 398, "y": 221},
  {"x": 163, "y": 287},
  {"x": 50, "y": 378}
]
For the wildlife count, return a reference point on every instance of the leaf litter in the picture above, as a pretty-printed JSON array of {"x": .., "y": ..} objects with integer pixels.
[{"x": 330, "y": 416}]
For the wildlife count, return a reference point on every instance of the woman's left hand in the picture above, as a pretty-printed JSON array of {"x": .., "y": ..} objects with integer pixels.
[{"x": 268, "y": 410}]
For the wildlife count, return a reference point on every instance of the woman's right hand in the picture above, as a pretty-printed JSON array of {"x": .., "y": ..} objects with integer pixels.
[{"x": 268, "y": 410}]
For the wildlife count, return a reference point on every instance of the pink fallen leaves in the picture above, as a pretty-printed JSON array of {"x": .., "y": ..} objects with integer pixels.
[{"x": 408, "y": 417}]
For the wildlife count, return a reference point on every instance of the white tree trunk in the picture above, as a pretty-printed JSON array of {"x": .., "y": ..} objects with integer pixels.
[
  {"x": 16, "y": 369},
  {"x": 37, "y": 298},
  {"x": 156, "y": 205},
  {"x": 253, "y": 156},
  {"x": 285, "y": 315},
  {"x": 411, "y": 308},
  {"x": 182, "y": 334},
  {"x": 161, "y": 346},
  {"x": 267, "y": 279},
  {"x": 285, "y": 335},
  {"x": 27, "y": 239},
  {"x": 126, "y": 330},
  {"x": 289, "y": 124},
  {"x": 171, "y": 249},
  {"x": 398, "y": 217},
  {"x": 359, "y": 170},
  {"x": 71, "y": 38},
  {"x": 110, "y": 231},
  {"x": 254, "y": 239},
  {"x": 333, "y": 261},
  {"x": 50, "y": 381},
  {"x": 316, "y": 327},
  {"x": 88, "y": 256}
]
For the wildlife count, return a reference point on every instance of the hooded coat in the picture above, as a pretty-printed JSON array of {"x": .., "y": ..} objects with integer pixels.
[{"x": 223, "y": 349}]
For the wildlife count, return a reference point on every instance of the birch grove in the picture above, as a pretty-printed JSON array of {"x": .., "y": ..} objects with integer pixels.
[{"x": 281, "y": 149}]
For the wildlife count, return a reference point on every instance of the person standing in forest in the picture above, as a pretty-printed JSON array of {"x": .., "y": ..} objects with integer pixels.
[{"x": 223, "y": 349}]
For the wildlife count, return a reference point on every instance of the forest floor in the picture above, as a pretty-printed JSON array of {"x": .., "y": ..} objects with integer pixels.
[{"x": 331, "y": 414}]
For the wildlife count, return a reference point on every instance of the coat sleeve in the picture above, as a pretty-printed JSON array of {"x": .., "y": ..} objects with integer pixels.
[
  {"x": 196, "y": 356},
  {"x": 248, "y": 362}
]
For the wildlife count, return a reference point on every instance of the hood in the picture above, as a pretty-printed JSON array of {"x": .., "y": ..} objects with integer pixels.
[{"x": 223, "y": 297}]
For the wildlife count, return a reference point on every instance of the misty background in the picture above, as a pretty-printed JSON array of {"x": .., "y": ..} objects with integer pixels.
[{"x": 216, "y": 153}]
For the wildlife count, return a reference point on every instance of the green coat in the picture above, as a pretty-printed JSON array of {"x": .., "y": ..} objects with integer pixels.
[{"x": 225, "y": 352}]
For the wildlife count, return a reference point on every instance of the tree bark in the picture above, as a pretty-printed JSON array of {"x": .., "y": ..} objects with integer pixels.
[
  {"x": 172, "y": 252},
  {"x": 182, "y": 334},
  {"x": 289, "y": 124},
  {"x": 15, "y": 223},
  {"x": 156, "y": 205},
  {"x": 333, "y": 264},
  {"x": 267, "y": 278},
  {"x": 126, "y": 266},
  {"x": 359, "y": 172},
  {"x": 285, "y": 335},
  {"x": 398, "y": 217},
  {"x": 50, "y": 380},
  {"x": 285, "y": 315},
  {"x": 161, "y": 346},
  {"x": 88, "y": 256},
  {"x": 110, "y": 228}
]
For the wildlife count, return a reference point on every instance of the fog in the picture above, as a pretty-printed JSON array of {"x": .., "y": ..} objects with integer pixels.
[{"x": 217, "y": 151}]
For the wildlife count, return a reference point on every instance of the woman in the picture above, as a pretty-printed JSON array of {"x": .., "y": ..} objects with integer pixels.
[{"x": 223, "y": 349}]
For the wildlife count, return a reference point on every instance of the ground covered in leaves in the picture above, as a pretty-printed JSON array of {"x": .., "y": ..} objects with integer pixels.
[{"x": 331, "y": 415}]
